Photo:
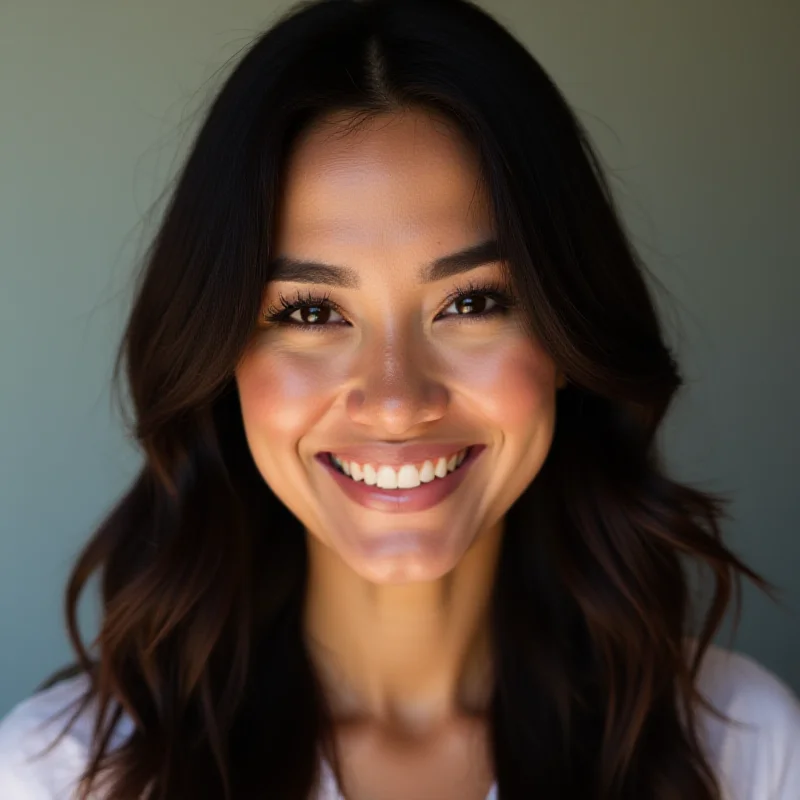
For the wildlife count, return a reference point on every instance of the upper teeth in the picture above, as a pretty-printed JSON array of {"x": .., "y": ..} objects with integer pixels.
[{"x": 405, "y": 477}]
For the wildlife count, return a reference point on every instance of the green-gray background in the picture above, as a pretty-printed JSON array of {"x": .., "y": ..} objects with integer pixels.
[{"x": 694, "y": 105}]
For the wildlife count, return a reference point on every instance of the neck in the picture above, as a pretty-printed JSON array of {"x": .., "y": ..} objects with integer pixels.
[{"x": 410, "y": 655}]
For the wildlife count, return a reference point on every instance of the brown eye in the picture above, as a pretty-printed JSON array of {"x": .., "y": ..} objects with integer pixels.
[
  {"x": 469, "y": 304},
  {"x": 314, "y": 312},
  {"x": 313, "y": 315}
]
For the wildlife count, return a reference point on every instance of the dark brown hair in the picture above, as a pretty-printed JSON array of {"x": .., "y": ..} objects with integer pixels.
[{"x": 203, "y": 569}]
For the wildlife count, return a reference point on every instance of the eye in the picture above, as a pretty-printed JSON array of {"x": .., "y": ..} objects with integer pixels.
[
  {"x": 313, "y": 314},
  {"x": 471, "y": 301},
  {"x": 304, "y": 312}
]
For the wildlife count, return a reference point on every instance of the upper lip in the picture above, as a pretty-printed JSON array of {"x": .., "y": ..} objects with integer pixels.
[{"x": 395, "y": 455}]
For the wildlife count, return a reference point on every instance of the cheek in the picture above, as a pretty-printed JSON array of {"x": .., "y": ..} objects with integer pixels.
[
  {"x": 516, "y": 386},
  {"x": 281, "y": 397}
]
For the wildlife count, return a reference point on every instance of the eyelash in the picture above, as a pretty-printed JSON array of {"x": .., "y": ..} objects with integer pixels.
[{"x": 490, "y": 289}]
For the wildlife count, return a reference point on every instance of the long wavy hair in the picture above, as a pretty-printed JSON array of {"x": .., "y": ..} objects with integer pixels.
[{"x": 597, "y": 638}]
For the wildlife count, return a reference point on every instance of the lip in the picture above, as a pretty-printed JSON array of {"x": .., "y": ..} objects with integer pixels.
[
  {"x": 403, "y": 501},
  {"x": 395, "y": 455}
]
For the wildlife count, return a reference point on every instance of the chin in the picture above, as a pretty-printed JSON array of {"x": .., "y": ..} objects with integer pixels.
[{"x": 402, "y": 557}]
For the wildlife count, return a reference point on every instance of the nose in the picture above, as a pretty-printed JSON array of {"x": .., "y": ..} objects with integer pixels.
[{"x": 397, "y": 387}]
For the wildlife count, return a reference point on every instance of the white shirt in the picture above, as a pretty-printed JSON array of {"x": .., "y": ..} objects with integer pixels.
[{"x": 760, "y": 761}]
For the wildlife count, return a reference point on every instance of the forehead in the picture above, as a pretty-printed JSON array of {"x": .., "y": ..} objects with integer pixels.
[{"x": 405, "y": 180}]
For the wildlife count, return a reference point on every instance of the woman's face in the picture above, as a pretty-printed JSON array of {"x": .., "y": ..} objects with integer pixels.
[{"x": 383, "y": 366}]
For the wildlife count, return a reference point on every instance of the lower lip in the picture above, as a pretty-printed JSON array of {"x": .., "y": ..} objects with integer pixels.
[{"x": 402, "y": 501}]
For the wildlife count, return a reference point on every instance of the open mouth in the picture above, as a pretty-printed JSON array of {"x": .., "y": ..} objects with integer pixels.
[
  {"x": 409, "y": 488},
  {"x": 408, "y": 476}
]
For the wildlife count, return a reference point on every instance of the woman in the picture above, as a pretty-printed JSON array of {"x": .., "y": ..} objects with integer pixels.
[{"x": 402, "y": 529}]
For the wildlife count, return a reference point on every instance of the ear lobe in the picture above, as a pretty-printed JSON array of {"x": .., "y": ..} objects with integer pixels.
[{"x": 561, "y": 380}]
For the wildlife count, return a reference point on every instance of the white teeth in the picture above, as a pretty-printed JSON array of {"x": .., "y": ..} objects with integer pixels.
[
  {"x": 408, "y": 476},
  {"x": 387, "y": 478},
  {"x": 427, "y": 473}
]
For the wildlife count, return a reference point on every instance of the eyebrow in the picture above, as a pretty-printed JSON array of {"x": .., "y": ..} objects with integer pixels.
[{"x": 295, "y": 270}]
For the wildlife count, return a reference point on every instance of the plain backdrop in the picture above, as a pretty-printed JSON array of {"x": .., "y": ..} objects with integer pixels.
[{"x": 694, "y": 106}]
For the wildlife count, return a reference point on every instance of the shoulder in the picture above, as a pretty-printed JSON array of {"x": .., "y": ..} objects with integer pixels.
[
  {"x": 757, "y": 754},
  {"x": 32, "y": 767}
]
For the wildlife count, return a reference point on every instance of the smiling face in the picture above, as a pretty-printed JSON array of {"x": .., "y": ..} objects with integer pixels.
[{"x": 393, "y": 358}]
